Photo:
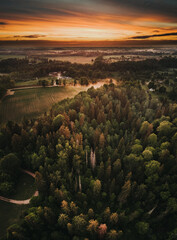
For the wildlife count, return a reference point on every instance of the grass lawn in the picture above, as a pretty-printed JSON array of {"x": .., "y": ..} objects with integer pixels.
[
  {"x": 69, "y": 81},
  {"x": 33, "y": 102},
  {"x": 73, "y": 59},
  {"x": 30, "y": 103},
  {"x": 32, "y": 82},
  {"x": 10, "y": 213},
  {"x": 26, "y": 83},
  {"x": 25, "y": 187},
  {"x": 11, "y": 56}
]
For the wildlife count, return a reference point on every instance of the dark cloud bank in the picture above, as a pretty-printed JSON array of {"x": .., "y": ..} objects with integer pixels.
[{"x": 154, "y": 35}]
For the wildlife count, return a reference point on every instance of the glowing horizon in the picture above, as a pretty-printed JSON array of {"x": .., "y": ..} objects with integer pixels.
[{"x": 70, "y": 20}]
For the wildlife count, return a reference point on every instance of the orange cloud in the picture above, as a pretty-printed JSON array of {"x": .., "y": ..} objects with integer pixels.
[{"x": 63, "y": 24}]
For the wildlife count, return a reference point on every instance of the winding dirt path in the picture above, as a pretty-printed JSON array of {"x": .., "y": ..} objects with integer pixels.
[{"x": 21, "y": 202}]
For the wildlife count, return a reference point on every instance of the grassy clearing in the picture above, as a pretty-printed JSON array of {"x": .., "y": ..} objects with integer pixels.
[
  {"x": 25, "y": 187},
  {"x": 33, "y": 102},
  {"x": 30, "y": 103},
  {"x": 10, "y": 213},
  {"x": 26, "y": 83},
  {"x": 32, "y": 82},
  {"x": 11, "y": 56},
  {"x": 74, "y": 59}
]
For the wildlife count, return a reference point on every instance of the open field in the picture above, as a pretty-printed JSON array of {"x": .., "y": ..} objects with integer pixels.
[
  {"x": 11, "y": 56},
  {"x": 25, "y": 187},
  {"x": 26, "y": 83},
  {"x": 32, "y": 82},
  {"x": 73, "y": 59},
  {"x": 10, "y": 213},
  {"x": 33, "y": 102}
]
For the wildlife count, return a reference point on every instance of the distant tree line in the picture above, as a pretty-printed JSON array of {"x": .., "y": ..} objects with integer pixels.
[{"x": 23, "y": 69}]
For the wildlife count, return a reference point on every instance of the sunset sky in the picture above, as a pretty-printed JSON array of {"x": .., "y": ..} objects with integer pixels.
[{"x": 88, "y": 20}]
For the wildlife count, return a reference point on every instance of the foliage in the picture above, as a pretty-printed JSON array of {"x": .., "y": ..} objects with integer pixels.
[{"x": 103, "y": 170}]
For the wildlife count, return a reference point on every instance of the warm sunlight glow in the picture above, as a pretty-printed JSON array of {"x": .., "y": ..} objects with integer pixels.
[{"x": 88, "y": 21}]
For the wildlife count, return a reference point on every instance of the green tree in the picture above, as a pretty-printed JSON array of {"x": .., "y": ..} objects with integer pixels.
[
  {"x": 63, "y": 220},
  {"x": 152, "y": 167},
  {"x": 112, "y": 235},
  {"x": 165, "y": 128},
  {"x": 142, "y": 227},
  {"x": 90, "y": 213},
  {"x": 57, "y": 121},
  {"x": 147, "y": 154},
  {"x": 146, "y": 129},
  {"x": 74, "y": 208},
  {"x": 106, "y": 214},
  {"x": 116, "y": 166},
  {"x": 152, "y": 139},
  {"x": 137, "y": 149},
  {"x": 17, "y": 143},
  {"x": 40, "y": 182},
  {"x": 96, "y": 188},
  {"x": 14, "y": 232},
  {"x": 10, "y": 164},
  {"x": 101, "y": 171},
  {"x": 79, "y": 224}
]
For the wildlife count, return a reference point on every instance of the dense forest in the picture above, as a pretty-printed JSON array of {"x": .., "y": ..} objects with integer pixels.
[{"x": 105, "y": 164}]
